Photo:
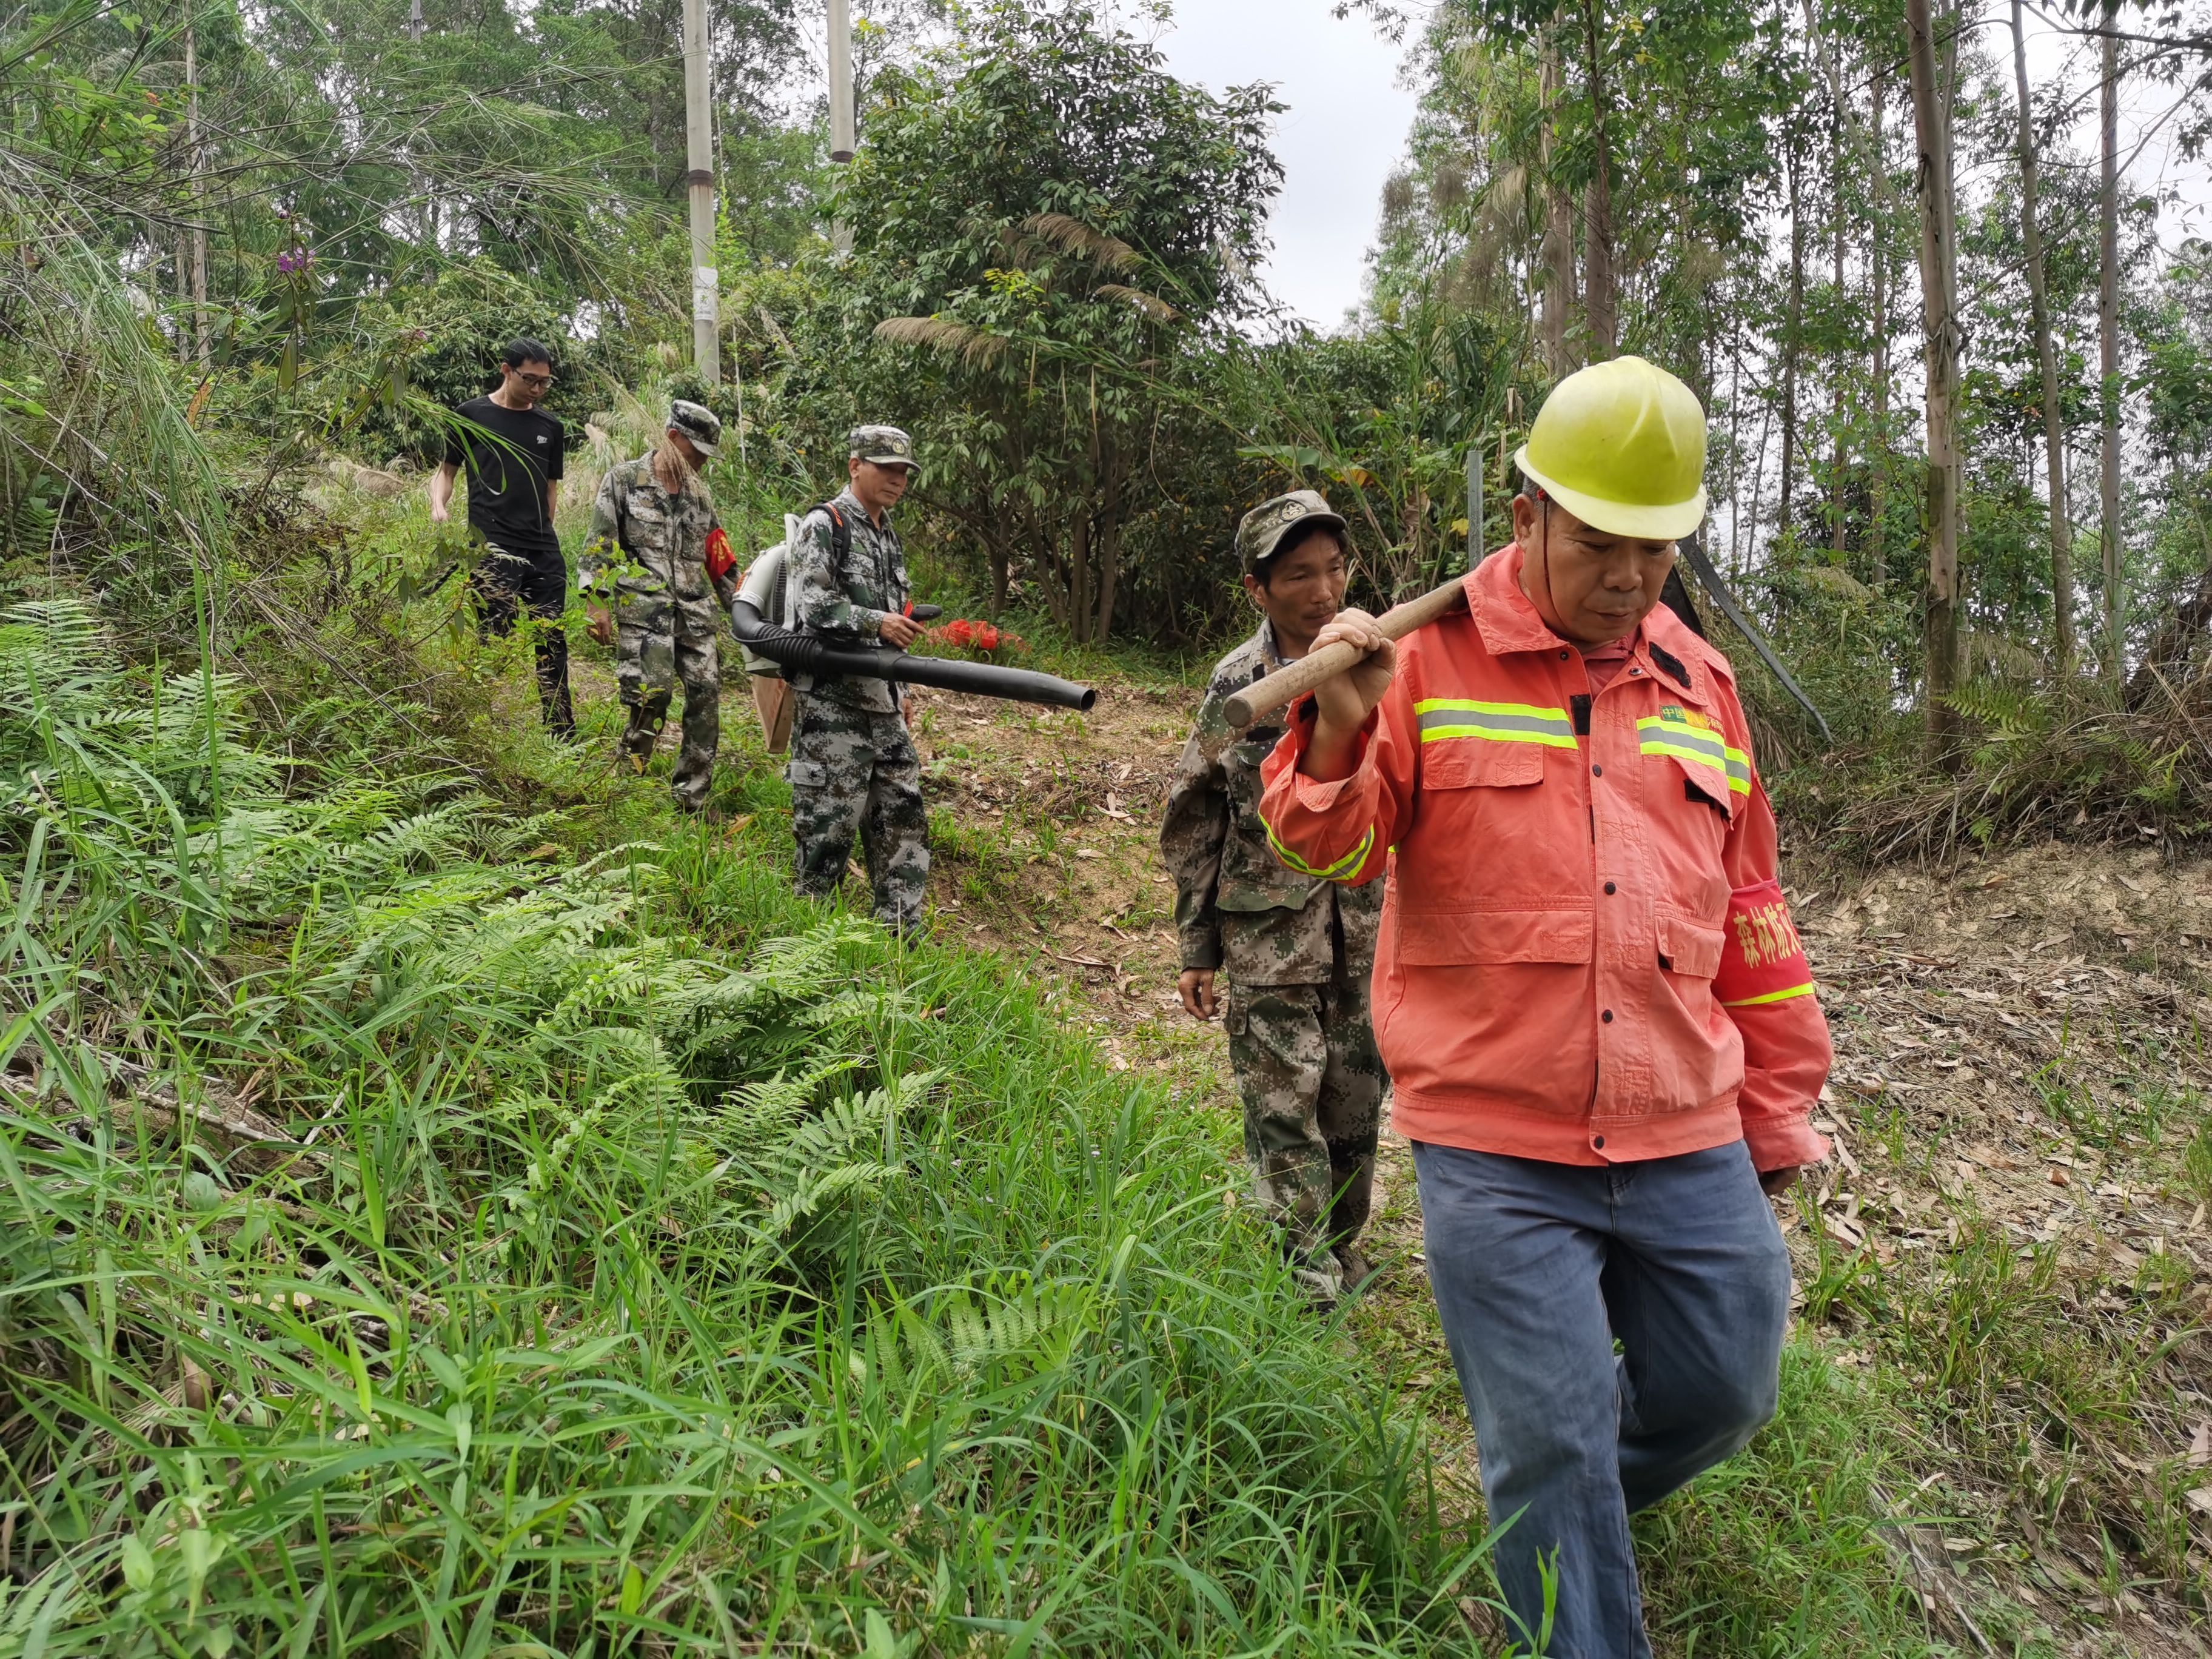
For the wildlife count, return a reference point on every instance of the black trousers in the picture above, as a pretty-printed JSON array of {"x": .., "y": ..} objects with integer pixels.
[{"x": 505, "y": 585}]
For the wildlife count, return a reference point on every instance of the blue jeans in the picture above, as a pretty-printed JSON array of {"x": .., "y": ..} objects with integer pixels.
[{"x": 1537, "y": 1268}]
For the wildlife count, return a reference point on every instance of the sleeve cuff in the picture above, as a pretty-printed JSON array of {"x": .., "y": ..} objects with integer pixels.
[
  {"x": 1312, "y": 793},
  {"x": 1784, "y": 1143},
  {"x": 1201, "y": 951},
  {"x": 1318, "y": 797}
]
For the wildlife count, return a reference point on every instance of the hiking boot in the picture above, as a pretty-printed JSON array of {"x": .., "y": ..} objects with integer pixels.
[
  {"x": 1358, "y": 1271},
  {"x": 1320, "y": 1281}
]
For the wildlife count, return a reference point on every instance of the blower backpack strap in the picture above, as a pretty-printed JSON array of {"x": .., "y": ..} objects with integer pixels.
[{"x": 840, "y": 534}]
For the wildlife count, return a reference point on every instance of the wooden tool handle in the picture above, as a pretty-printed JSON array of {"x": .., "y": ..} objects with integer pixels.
[{"x": 1288, "y": 684}]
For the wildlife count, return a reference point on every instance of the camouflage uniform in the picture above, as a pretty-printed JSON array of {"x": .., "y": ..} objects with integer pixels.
[
  {"x": 852, "y": 765},
  {"x": 667, "y": 605},
  {"x": 1297, "y": 953}
]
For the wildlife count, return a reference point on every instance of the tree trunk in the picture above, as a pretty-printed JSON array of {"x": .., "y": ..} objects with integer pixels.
[
  {"x": 1735, "y": 443},
  {"x": 1878, "y": 260},
  {"x": 199, "y": 240},
  {"x": 1051, "y": 570},
  {"x": 1079, "y": 576},
  {"x": 2108, "y": 357},
  {"x": 1792, "y": 332},
  {"x": 2046, "y": 356},
  {"x": 183, "y": 254},
  {"x": 1602, "y": 299},
  {"x": 1837, "y": 403},
  {"x": 1108, "y": 542},
  {"x": 1939, "y": 288},
  {"x": 1558, "y": 255}
]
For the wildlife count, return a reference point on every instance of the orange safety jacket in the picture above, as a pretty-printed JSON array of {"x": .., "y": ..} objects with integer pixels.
[{"x": 1585, "y": 956}]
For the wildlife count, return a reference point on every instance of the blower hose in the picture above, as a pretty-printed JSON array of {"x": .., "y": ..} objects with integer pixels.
[{"x": 808, "y": 654}]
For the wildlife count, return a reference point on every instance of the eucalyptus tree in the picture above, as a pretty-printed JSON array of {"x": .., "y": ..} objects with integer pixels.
[
  {"x": 2046, "y": 357},
  {"x": 1939, "y": 288}
]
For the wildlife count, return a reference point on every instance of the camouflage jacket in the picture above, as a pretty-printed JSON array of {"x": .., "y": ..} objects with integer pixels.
[
  {"x": 847, "y": 605},
  {"x": 655, "y": 542},
  {"x": 1237, "y": 908}
]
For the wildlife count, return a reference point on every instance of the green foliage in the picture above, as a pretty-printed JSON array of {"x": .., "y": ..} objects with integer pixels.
[
  {"x": 414, "y": 1232},
  {"x": 450, "y": 333},
  {"x": 1048, "y": 232},
  {"x": 1382, "y": 422}
]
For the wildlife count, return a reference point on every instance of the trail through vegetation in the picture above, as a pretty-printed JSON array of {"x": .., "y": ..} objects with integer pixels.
[{"x": 449, "y": 1204}]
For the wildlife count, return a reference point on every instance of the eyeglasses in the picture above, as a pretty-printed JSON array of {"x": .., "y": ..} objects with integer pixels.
[{"x": 541, "y": 382}]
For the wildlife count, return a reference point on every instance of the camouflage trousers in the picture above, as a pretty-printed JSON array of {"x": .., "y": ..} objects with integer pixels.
[
  {"x": 854, "y": 771},
  {"x": 1312, "y": 1084},
  {"x": 661, "y": 642}
]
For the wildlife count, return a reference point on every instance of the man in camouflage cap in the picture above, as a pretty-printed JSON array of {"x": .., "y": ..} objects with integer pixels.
[
  {"x": 659, "y": 554},
  {"x": 1298, "y": 951},
  {"x": 853, "y": 768}
]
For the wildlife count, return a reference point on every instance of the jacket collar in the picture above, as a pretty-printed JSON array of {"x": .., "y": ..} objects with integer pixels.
[
  {"x": 1508, "y": 621},
  {"x": 849, "y": 504},
  {"x": 1271, "y": 655}
]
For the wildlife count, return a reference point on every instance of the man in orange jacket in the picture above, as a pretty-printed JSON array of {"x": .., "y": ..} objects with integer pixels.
[{"x": 1589, "y": 992}]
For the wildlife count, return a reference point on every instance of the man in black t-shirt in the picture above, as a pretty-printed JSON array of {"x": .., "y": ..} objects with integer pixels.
[{"x": 512, "y": 450}]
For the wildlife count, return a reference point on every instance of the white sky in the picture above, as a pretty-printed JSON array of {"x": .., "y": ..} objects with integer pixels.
[
  {"x": 1343, "y": 133},
  {"x": 1348, "y": 118}
]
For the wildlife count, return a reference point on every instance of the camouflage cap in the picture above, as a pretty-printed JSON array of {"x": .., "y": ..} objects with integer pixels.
[
  {"x": 1260, "y": 531},
  {"x": 697, "y": 423},
  {"x": 886, "y": 446}
]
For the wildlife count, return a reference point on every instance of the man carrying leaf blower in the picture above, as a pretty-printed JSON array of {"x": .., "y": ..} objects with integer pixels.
[
  {"x": 659, "y": 557},
  {"x": 1595, "y": 1008}
]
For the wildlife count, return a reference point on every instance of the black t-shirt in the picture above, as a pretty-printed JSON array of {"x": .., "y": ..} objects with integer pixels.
[{"x": 511, "y": 456}]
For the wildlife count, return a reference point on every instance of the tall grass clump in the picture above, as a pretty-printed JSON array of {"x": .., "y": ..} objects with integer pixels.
[
  {"x": 100, "y": 473},
  {"x": 417, "y": 1237}
]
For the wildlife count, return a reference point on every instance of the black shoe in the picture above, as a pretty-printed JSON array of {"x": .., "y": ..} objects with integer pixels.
[{"x": 1358, "y": 1271}]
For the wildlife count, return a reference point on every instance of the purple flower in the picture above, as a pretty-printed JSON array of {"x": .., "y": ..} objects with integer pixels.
[{"x": 297, "y": 260}]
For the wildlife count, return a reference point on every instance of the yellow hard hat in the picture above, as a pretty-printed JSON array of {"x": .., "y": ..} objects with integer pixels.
[{"x": 1621, "y": 445}]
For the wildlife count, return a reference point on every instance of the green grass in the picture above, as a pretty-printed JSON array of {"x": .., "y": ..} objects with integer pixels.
[
  {"x": 629, "y": 1258},
  {"x": 1787, "y": 1548}
]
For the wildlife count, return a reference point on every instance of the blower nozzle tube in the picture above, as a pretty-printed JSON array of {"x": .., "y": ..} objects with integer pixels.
[{"x": 806, "y": 653}]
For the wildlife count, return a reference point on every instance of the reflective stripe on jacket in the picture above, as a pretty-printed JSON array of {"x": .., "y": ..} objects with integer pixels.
[{"x": 1585, "y": 957}]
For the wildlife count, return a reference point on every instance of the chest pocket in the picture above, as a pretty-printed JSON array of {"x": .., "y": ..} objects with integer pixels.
[
  {"x": 867, "y": 580},
  {"x": 1714, "y": 771},
  {"x": 1472, "y": 764},
  {"x": 1467, "y": 744},
  {"x": 1470, "y": 745}
]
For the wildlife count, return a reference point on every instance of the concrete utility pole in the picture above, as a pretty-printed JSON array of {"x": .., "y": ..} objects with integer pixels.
[
  {"x": 841, "y": 105},
  {"x": 841, "y": 80},
  {"x": 706, "y": 280}
]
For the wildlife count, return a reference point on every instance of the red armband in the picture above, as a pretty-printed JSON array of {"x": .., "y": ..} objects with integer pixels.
[
  {"x": 1762, "y": 959},
  {"x": 721, "y": 557}
]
